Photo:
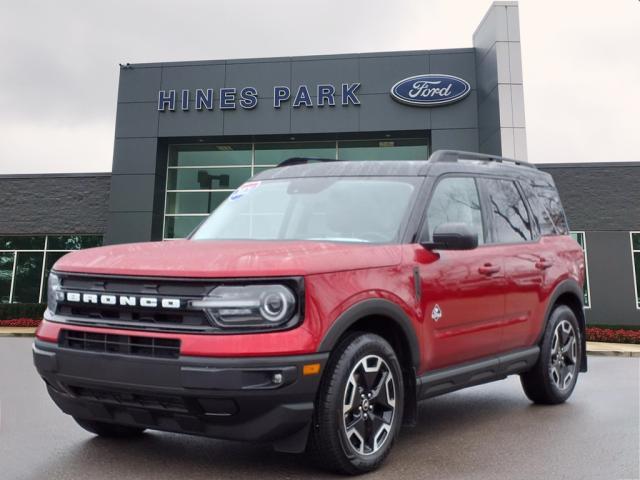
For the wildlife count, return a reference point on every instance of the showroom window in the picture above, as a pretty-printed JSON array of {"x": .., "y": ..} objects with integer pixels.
[
  {"x": 25, "y": 262},
  {"x": 389, "y": 149},
  {"x": 581, "y": 238},
  {"x": 635, "y": 251},
  {"x": 201, "y": 177}
]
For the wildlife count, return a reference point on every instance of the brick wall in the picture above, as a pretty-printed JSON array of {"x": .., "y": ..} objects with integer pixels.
[{"x": 38, "y": 204}]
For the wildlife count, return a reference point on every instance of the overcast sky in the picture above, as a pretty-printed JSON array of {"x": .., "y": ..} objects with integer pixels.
[{"x": 59, "y": 64}]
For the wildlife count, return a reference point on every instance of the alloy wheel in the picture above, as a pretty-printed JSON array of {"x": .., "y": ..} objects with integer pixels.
[
  {"x": 564, "y": 355},
  {"x": 369, "y": 405}
]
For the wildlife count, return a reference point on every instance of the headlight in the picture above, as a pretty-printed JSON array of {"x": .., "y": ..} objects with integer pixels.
[
  {"x": 53, "y": 292},
  {"x": 249, "y": 306}
]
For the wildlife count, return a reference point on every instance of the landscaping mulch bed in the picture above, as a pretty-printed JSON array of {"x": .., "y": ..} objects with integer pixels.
[
  {"x": 610, "y": 335},
  {"x": 20, "y": 322}
]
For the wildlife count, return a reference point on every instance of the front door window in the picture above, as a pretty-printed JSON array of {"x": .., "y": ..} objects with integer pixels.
[{"x": 455, "y": 200}]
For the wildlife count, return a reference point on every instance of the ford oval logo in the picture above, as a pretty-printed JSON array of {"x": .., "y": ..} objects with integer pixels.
[{"x": 430, "y": 90}]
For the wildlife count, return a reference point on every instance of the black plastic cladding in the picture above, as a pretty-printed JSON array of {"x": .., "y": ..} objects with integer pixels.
[{"x": 119, "y": 344}]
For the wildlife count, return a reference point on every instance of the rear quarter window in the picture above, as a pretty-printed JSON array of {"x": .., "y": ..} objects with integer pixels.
[{"x": 546, "y": 207}]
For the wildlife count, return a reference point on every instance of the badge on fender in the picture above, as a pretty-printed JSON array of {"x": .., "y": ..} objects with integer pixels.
[{"x": 436, "y": 313}]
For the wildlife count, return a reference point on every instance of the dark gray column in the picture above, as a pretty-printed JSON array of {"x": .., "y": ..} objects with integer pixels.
[{"x": 137, "y": 176}]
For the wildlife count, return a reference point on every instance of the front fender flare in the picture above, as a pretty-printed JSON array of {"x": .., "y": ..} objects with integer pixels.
[{"x": 368, "y": 308}]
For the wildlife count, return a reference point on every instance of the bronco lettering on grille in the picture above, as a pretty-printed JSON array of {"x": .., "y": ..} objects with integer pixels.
[{"x": 122, "y": 300}]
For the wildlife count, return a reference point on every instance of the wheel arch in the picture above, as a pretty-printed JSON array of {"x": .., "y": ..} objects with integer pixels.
[
  {"x": 569, "y": 293},
  {"x": 389, "y": 321},
  {"x": 374, "y": 314}
]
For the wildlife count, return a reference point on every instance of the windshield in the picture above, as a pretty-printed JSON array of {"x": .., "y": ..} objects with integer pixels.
[{"x": 342, "y": 209}]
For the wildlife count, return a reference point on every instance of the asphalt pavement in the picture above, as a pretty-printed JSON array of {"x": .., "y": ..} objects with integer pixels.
[{"x": 486, "y": 432}]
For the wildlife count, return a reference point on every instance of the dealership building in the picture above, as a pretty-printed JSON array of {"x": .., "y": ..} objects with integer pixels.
[{"x": 188, "y": 133}]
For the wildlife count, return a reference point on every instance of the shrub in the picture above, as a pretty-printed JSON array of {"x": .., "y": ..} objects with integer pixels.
[
  {"x": 10, "y": 311},
  {"x": 620, "y": 335},
  {"x": 20, "y": 322}
]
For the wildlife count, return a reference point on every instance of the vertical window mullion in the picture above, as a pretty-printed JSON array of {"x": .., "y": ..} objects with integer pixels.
[
  {"x": 44, "y": 263},
  {"x": 13, "y": 275},
  {"x": 586, "y": 269},
  {"x": 581, "y": 238},
  {"x": 253, "y": 158},
  {"x": 166, "y": 186},
  {"x": 634, "y": 252}
]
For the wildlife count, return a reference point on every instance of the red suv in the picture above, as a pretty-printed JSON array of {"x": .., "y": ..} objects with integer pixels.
[{"x": 319, "y": 303}]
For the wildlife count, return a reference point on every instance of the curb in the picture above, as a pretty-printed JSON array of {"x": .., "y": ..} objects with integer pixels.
[
  {"x": 612, "y": 353},
  {"x": 17, "y": 331},
  {"x": 613, "y": 349}
]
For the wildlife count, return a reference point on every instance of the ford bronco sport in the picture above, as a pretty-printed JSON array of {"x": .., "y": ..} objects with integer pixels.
[{"x": 319, "y": 303}]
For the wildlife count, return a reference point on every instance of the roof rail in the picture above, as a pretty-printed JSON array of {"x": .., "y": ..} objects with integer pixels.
[
  {"x": 303, "y": 160},
  {"x": 455, "y": 155}
]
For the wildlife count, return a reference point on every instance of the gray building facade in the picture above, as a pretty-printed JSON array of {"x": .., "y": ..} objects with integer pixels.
[
  {"x": 43, "y": 217},
  {"x": 188, "y": 133},
  {"x": 602, "y": 203},
  {"x": 165, "y": 105},
  {"x": 70, "y": 204}
]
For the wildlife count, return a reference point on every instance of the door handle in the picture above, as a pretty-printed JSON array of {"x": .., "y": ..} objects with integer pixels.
[
  {"x": 543, "y": 264},
  {"x": 488, "y": 269}
]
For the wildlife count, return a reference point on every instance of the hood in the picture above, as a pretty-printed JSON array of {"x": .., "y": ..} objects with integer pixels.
[{"x": 217, "y": 258}]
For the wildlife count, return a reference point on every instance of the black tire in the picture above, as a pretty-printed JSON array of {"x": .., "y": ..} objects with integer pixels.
[
  {"x": 548, "y": 383},
  {"x": 110, "y": 430},
  {"x": 350, "y": 374}
]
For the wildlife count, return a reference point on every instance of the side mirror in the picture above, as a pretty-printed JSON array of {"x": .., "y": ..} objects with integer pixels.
[{"x": 452, "y": 236}]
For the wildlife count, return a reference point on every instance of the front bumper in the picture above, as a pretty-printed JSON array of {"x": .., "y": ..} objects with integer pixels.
[{"x": 229, "y": 398}]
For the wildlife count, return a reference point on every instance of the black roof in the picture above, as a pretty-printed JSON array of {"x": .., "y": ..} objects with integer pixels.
[
  {"x": 349, "y": 168},
  {"x": 439, "y": 162}
]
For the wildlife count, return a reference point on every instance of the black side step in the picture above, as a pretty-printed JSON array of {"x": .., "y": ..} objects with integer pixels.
[{"x": 449, "y": 379}]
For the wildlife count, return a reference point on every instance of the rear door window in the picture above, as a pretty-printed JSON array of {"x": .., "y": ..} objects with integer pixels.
[{"x": 509, "y": 215}]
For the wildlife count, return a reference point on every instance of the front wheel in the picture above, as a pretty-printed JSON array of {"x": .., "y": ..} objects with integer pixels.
[
  {"x": 554, "y": 376},
  {"x": 359, "y": 406}
]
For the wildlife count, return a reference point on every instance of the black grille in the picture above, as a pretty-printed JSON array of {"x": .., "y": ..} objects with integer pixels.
[
  {"x": 120, "y": 344},
  {"x": 130, "y": 316},
  {"x": 138, "y": 317},
  {"x": 130, "y": 399}
]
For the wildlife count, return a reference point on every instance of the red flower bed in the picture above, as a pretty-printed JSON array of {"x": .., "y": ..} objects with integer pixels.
[
  {"x": 20, "y": 322},
  {"x": 595, "y": 334}
]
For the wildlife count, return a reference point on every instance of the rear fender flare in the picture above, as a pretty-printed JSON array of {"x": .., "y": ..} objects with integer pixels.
[{"x": 572, "y": 287}]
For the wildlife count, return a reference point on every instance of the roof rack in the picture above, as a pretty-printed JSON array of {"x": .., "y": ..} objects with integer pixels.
[
  {"x": 303, "y": 160},
  {"x": 455, "y": 155}
]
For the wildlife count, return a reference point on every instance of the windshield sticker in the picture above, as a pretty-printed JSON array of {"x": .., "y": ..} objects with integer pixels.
[{"x": 244, "y": 190}]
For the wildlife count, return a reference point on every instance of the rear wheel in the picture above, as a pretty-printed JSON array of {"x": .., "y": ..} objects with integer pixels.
[
  {"x": 554, "y": 376},
  {"x": 359, "y": 407},
  {"x": 111, "y": 430}
]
